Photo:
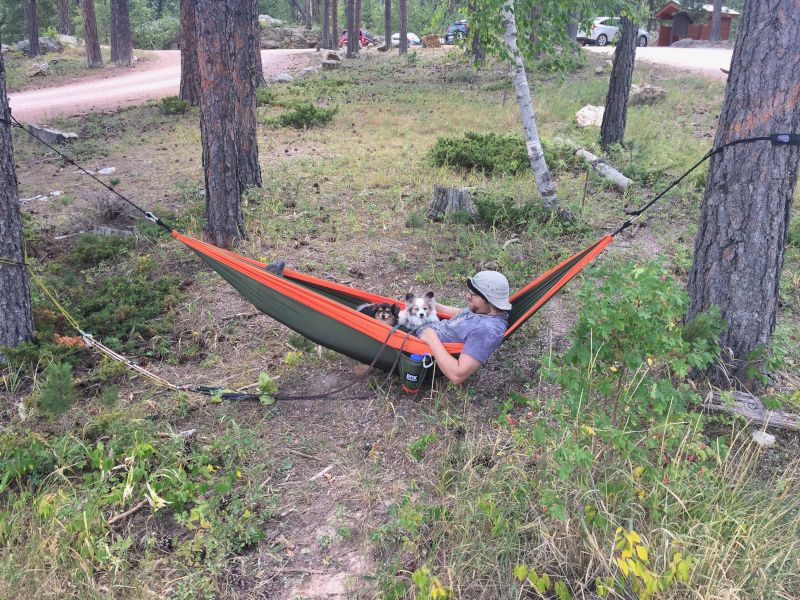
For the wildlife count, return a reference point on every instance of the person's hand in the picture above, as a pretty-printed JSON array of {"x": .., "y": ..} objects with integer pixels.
[{"x": 428, "y": 335}]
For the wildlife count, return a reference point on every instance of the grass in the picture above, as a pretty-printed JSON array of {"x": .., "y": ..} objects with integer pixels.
[
  {"x": 64, "y": 65},
  {"x": 443, "y": 492}
]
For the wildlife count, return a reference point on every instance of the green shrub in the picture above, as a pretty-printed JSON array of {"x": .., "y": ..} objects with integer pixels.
[
  {"x": 265, "y": 96},
  {"x": 793, "y": 238},
  {"x": 305, "y": 115},
  {"x": 174, "y": 105},
  {"x": 58, "y": 391},
  {"x": 163, "y": 34},
  {"x": 93, "y": 249},
  {"x": 495, "y": 154}
]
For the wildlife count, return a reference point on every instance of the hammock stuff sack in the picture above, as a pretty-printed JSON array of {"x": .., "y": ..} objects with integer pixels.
[{"x": 324, "y": 311}]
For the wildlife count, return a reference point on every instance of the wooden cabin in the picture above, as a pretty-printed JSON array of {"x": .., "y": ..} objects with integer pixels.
[{"x": 675, "y": 23}]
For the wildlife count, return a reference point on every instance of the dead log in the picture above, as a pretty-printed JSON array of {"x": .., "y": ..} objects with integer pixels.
[
  {"x": 448, "y": 199},
  {"x": 617, "y": 179},
  {"x": 752, "y": 409}
]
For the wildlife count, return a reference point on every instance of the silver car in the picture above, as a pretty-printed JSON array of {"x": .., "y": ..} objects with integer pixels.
[{"x": 605, "y": 29}]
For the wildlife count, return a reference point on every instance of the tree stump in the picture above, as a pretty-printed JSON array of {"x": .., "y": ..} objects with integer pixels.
[{"x": 448, "y": 199}]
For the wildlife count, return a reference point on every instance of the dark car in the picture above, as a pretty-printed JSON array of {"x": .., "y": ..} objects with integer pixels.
[{"x": 457, "y": 32}]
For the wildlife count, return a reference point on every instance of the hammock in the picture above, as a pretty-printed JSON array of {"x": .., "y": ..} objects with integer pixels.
[{"x": 325, "y": 312}]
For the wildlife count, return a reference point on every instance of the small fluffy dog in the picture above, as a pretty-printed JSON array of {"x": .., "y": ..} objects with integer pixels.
[
  {"x": 419, "y": 310},
  {"x": 388, "y": 313}
]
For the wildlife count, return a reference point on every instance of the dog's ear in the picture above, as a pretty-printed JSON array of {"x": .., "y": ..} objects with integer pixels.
[
  {"x": 430, "y": 295},
  {"x": 395, "y": 310},
  {"x": 410, "y": 296}
]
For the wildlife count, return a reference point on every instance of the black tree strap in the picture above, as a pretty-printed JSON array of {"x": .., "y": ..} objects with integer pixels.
[
  {"x": 147, "y": 215},
  {"x": 777, "y": 139}
]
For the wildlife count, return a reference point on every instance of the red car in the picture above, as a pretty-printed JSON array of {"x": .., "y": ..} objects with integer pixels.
[{"x": 362, "y": 39}]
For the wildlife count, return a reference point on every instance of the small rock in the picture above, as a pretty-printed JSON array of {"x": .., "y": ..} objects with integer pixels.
[
  {"x": 283, "y": 78},
  {"x": 46, "y": 44},
  {"x": 69, "y": 40},
  {"x": 763, "y": 439},
  {"x": 38, "y": 69},
  {"x": 268, "y": 20},
  {"x": 103, "y": 230},
  {"x": 107, "y": 171},
  {"x": 590, "y": 115},
  {"x": 599, "y": 70},
  {"x": 333, "y": 55},
  {"x": 646, "y": 94},
  {"x": 4, "y": 48},
  {"x": 330, "y": 65},
  {"x": 308, "y": 70},
  {"x": 52, "y": 136}
]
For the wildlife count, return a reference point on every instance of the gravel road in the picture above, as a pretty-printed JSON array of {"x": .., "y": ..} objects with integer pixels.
[{"x": 157, "y": 77}]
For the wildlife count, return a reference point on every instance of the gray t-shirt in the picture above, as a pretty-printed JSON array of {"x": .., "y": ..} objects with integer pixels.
[{"x": 480, "y": 334}]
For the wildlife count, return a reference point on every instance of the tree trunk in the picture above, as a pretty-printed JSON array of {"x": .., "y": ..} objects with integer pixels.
[
  {"x": 94, "y": 58},
  {"x": 227, "y": 112},
  {"x": 402, "y": 15},
  {"x": 317, "y": 15},
  {"x": 121, "y": 43},
  {"x": 612, "y": 130},
  {"x": 716, "y": 21},
  {"x": 326, "y": 24},
  {"x": 255, "y": 44},
  {"x": 190, "y": 69},
  {"x": 16, "y": 320},
  {"x": 309, "y": 15},
  {"x": 532, "y": 143},
  {"x": 449, "y": 199},
  {"x": 387, "y": 24},
  {"x": 352, "y": 38},
  {"x": 33, "y": 28},
  {"x": 572, "y": 28},
  {"x": 744, "y": 220},
  {"x": 358, "y": 23},
  {"x": 335, "y": 22},
  {"x": 64, "y": 23}
]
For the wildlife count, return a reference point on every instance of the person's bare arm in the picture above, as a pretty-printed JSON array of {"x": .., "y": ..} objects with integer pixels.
[
  {"x": 450, "y": 311},
  {"x": 456, "y": 370}
]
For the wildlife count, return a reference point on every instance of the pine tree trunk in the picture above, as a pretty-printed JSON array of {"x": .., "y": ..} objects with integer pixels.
[
  {"x": 121, "y": 42},
  {"x": 33, "y": 28},
  {"x": 255, "y": 44},
  {"x": 16, "y": 321},
  {"x": 352, "y": 37},
  {"x": 317, "y": 15},
  {"x": 532, "y": 143},
  {"x": 190, "y": 69},
  {"x": 227, "y": 112},
  {"x": 94, "y": 58},
  {"x": 358, "y": 23},
  {"x": 716, "y": 21},
  {"x": 387, "y": 24},
  {"x": 335, "y": 22},
  {"x": 612, "y": 130},
  {"x": 402, "y": 16},
  {"x": 308, "y": 14},
  {"x": 326, "y": 24},
  {"x": 739, "y": 249},
  {"x": 64, "y": 22}
]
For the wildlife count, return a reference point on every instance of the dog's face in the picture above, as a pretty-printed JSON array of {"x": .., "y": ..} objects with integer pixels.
[
  {"x": 421, "y": 307},
  {"x": 386, "y": 313}
]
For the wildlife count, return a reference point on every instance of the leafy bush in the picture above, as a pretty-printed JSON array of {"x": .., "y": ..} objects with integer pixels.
[
  {"x": 174, "y": 105},
  {"x": 305, "y": 115},
  {"x": 265, "y": 96},
  {"x": 93, "y": 249},
  {"x": 495, "y": 154},
  {"x": 163, "y": 34}
]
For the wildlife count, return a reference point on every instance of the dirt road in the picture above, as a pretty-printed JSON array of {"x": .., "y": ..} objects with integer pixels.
[
  {"x": 156, "y": 78},
  {"x": 704, "y": 61}
]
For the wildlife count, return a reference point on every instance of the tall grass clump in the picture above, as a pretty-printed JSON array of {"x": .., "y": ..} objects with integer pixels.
[{"x": 614, "y": 486}]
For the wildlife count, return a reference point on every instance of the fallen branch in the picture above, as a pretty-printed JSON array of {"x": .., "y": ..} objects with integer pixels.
[
  {"x": 321, "y": 473},
  {"x": 132, "y": 510},
  {"x": 617, "y": 179},
  {"x": 751, "y": 408}
]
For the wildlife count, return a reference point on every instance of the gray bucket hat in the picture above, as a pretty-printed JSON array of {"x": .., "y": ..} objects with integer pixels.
[{"x": 493, "y": 286}]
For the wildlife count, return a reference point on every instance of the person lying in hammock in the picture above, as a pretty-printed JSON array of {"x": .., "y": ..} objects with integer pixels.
[{"x": 480, "y": 326}]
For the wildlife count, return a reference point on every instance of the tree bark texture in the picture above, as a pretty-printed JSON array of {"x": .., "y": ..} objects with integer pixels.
[
  {"x": 16, "y": 320},
  {"x": 255, "y": 44},
  {"x": 739, "y": 249},
  {"x": 227, "y": 112},
  {"x": 33, "y": 28},
  {"x": 358, "y": 20},
  {"x": 402, "y": 15},
  {"x": 121, "y": 42},
  {"x": 190, "y": 69},
  {"x": 335, "y": 22},
  {"x": 448, "y": 199},
  {"x": 309, "y": 15},
  {"x": 326, "y": 24},
  {"x": 64, "y": 22},
  {"x": 387, "y": 24},
  {"x": 317, "y": 15},
  {"x": 716, "y": 21},
  {"x": 612, "y": 130},
  {"x": 532, "y": 143},
  {"x": 352, "y": 38},
  {"x": 94, "y": 58}
]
